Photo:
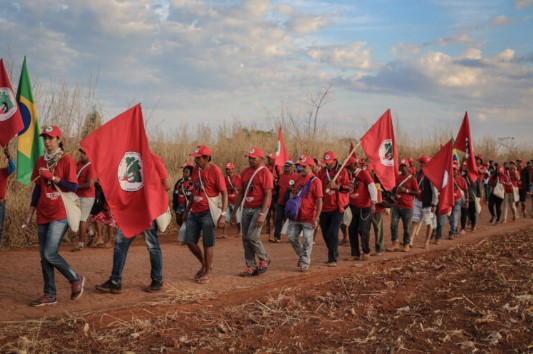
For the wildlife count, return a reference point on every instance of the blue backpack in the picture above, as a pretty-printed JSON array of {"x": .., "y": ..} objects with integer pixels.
[{"x": 292, "y": 208}]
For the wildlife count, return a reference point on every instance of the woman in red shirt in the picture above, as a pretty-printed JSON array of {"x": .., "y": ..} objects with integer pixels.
[
  {"x": 509, "y": 201},
  {"x": 54, "y": 170},
  {"x": 498, "y": 177}
]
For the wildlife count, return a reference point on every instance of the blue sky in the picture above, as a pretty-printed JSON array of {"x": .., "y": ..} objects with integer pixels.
[{"x": 210, "y": 61}]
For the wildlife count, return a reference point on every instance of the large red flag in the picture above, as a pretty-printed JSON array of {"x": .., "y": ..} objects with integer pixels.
[
  {"x": 463, "y": 142},
  {"x": 10, "y": 118},
  {"x": 379, "y": 146},
  {"x": 127, "y": 172},
  {"x": 439, "y": 170},
  {"x": 281, "y": 153}
]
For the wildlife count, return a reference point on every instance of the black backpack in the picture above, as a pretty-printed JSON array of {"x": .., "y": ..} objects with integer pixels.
[{"x": 99, "y": 199}]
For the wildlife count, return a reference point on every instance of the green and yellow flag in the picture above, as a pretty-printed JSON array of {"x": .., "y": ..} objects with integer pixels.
[{"x": 29, "y": 146}]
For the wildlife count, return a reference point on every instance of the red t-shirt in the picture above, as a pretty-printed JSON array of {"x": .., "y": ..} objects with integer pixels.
[
  {"x": 412, "y": 170},
  {"x": 334, "y": 199},
  {"x": 359, "y": 195},
  {"x": 3, "y": 182},
  {"x": 514, "y": 177},
  {"x": 50, "y": 206},
  {"x": 214, "y": 184},
  {"x": 183, "y": 190},
  {"x": 160, "y": 167},
  {"x": 263, "y": 180},
  {"x": 307, "y": 212},
  {"x": 233, "y": 184},
  {"x": 83, "y": 176},
  {"x": 460, "y": 184},
  {"x": 284, "y": 182},
  {"x": 406, "y": 201}
]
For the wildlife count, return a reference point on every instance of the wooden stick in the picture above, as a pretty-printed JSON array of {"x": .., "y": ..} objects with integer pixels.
[{"x": 344, "y": 164}]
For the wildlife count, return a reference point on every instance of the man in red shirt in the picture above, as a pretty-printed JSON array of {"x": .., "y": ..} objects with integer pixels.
[
  {"x": 255, "y": 197},
  {"x": 335, "y": 202},
  {"x": 4, "y": 174},
  {"x": 405, "y": 190},
  {"x": 233, "y": 183},
  {"x": 285, "y": 184},
  {"x": 310, "y": 188},
  {"x": 86, "y": 177},
  {"x": 363, "y": 198},
  {"x": 460, "y": 194},
  {"x": 276, "y": 172},
  {"x": 208, "y": 182}
]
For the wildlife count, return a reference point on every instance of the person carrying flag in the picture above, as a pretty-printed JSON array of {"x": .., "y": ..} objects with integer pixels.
[
  {"x": 255, "y": 195},
  {"x": 122, "y": 244},
  {"x": 335, "y": 201}
]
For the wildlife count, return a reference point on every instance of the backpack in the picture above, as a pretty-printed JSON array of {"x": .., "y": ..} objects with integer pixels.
[
  {"x": 99, "y": 199},
  {"x": 292, "y": 208}
]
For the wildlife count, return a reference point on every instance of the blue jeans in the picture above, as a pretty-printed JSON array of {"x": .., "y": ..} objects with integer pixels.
[
  {"x": 303, "y": 250},
  {"x": 330, "y": 223},
  {"x": 50, "y": 237},
  {"x": 122, "y": 245},
  {"x": 441, "y": 220},
  {"x": 2, "y": 217},
  {"x": 251, "y": 240},
  {"x": 200, "y": 223},
  {"x": 405, "y": 214},
  {"x": 455, "y": 217}
]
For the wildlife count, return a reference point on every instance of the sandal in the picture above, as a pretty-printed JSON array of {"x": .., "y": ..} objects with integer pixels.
[
  {"x": 202, "y": 280},
  {"x": 199, "y": 274}
]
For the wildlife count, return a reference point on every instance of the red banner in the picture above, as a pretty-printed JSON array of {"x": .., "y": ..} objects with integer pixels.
[
  {"x": 10, "y": 118},
  {"x": 463, "y": 143},
  {"x": 439, "y": 170},
  {"x": 127, "y": 171},
  {"x": 281, "y": 153}
]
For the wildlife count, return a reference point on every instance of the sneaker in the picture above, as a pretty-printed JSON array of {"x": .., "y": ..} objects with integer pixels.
[
  {"x": 77, "y": 288},
  {"x": 406, "y": 248},
  {"x": 377, "y": 254},
  {"x": 304, "y": 268},
  {"x": 263, "y": 266},
  {"x": 155, "y": 285},
  {"x": 394, "y": 247},
  {"x": 77, "y": 248},
  {"x": 44, "y": 300},
  {"x": 274, "y": 240},
  {"x": 492, "y": 220},
  {"x": 248, "y": 271},
  {"x": 331, "y": 264},
  {"x": 364, "y": 257},
  {"x": 110, "y": 286}
]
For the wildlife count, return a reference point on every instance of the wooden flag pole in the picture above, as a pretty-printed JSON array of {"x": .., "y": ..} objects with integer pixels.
[{"x": 344, "y": 163}]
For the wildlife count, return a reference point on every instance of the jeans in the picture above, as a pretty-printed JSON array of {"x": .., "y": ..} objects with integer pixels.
[
  {"x": 455, "y": 216},
  {"x": 122, "y": 245},
  {"x": 2, "y": 217},
  {"x": 50, "y": 237},
  {"x": 303, "y": 250},
  {"x": 360, "y": 227},
  {"x": 200, "y": 223},
  {"x": 405, "y": 214},
  {"x": 441, "y": 220},
  {"x": 251, "y": 240},
  {"x": 280, "y": 219},
  {"x": 330, "y": 223},
  {"x": 377, "y": 223}
]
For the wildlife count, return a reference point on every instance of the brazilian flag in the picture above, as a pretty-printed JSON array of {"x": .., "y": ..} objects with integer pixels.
[{"x": 29, "y": 146}]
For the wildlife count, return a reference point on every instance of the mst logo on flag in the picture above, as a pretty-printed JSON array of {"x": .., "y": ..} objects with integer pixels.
[
  {"x": 8, "y": 104},
  {"x": 130, "y": 172},
  {"x": 386, "y": 153}
]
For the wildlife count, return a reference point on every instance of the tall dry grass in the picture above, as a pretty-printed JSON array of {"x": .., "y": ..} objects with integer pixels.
[{"x": 69, "y": 107}]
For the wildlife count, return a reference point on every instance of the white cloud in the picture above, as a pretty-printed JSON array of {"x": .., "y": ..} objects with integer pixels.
[
  {"x": 521, "y": 4},
  {"x": 499, "y": 21},
  {"x": 306, "y": 23},
  {"x": 353, "y": 56}
]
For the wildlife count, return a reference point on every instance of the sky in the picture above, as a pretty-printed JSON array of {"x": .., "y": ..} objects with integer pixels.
[{"x": 214, "y": 61}]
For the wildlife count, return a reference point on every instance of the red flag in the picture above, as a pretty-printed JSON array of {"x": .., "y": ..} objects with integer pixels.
[
  {"x": 351, "y": 149},
  {"x": 379, "y": 146},
  {"x": 126, "y": 170},
  {"x": 463, "y": 142},
  {"x": 281, "y": 153},
  {"x": 10, "y": 118},
  {"x": 439, "y": 170}
]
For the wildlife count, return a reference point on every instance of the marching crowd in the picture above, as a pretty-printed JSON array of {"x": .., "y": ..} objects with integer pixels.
[{"x": 340, "y": 197}]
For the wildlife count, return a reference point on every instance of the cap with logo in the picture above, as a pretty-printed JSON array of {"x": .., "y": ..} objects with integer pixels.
[
  {"x": 305, "y": 160},
  {"x": 201, "y": 150},
  {"x": 52, "y": 131},
  {"x": 329, "y": 156},
  {"x": 230, "y": 166},
  {"x": 255, "y": 153}
]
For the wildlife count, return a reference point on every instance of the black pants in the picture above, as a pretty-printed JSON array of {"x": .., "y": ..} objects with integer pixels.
[
  {"x": 469, "y": 212},
  {"x": 494, "y": 201},
  {"x": 330, "y": 222},
  {"x": 360, "y": 227},
  {"x": 280, "y": 219}
]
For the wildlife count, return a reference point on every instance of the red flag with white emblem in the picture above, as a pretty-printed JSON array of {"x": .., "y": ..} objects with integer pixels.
[
  {"x": 281, "y": 153},
  {"x": 463, "y": 142},
  {"x": 439, "y": 170},
  {"x": 10, "y": 118}
]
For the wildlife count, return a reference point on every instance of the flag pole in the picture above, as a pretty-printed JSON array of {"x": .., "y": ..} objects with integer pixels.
[{"x": 346, "y": 161}]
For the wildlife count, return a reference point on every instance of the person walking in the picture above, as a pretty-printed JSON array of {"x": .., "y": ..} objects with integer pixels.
[
  {"x": 53, "y": 171},
  {"x": 309, "y": 188},
  {"x": 122, "y": 244},
  {"x": 285, "y": 187},
  {"x": 5, "y": 172},
  {"x": 86, "y": 191},
  {"x": 523, "y": 185},
  {"x": 255, "y": 198},
  {"x": 425, "y": 204},
  {"x": 495, "y": 201},
  {"x": 233, "y": 183}
]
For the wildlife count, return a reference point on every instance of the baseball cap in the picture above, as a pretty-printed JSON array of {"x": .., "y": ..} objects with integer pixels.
[
  {"x": 272, "y": 156},
  {"x": 230, "y": 166},
  {"x": 201, "y": 150},
  {"x": 51, "y": 130},
  {"x": 352, "y": 159},
  {"x": 501, "y": 169},
  {"x": 329, "y": 156},
  {"x": 289, "y": 163},
  {"x": 423, "y": 159},
  {"x": 255, "y": 153},
  {"x": 187, "y": 164},
  {"x": 305, "y": 160},
  {"x": 409, "y": 159},
  {"x": 404, "y": 162}
]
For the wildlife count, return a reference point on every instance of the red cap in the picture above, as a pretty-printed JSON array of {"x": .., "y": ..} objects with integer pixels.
[
  {"x": 201, "y": 150},
  {"x": 409, "y": 159},
  {"x": 423, "y": 159},
  {"x": 512, "y": 162},
  {"x": 187, "y": 164},
  {"x": 255, "y": 153},
  {"x": 455, "y": 166},
  {"x": 501, "y": 169},
  {"x": 351, "y": 160},
  {"x": 51, "y": 130},
  {"x": 404, "y": 162},
  {"x": 272, "y": 156},
  {"x": 329, "y": 156},
  {"x": 305, "y": 160},
  {"x": 230, "y": 166}
]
